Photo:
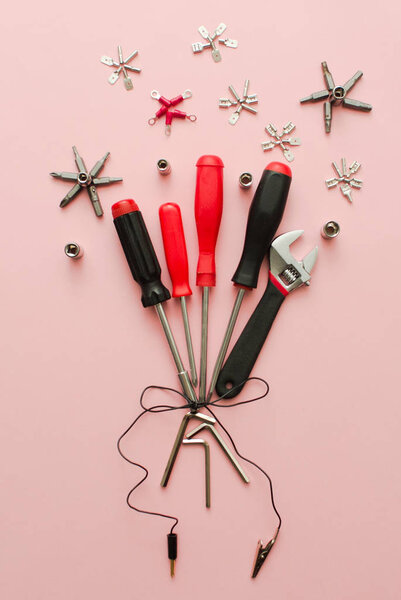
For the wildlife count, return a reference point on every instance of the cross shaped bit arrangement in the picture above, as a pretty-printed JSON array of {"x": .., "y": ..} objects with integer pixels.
[
  {"x": 280, "y": 141},
  {"x": 198, "y": 47},
  {"x": 345, "y": 178},
  {"x": 86, "y": 179},
  {"x": 122, "y": 65},
  {"x": 241, "y": 103},
  {"x": 336, "y": 95}
]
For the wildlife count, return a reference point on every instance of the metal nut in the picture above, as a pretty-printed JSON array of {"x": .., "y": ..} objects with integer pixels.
[
  {"x": 245, "y": 180},
  {"x": 163, "y": 166},
  {"x": 330, "y": 230},
  {"x": 73, "y": 250}
]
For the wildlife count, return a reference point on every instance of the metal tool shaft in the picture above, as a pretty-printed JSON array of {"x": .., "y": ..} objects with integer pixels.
[
  {"x": 188, "y": 339},
  {"x": 226, "y": 340},
  {"x": 178, "y": 440},
  {"x": 207, "y": 465},
  {"x": 203, "y": 359},
  {"x": 183, "y": 376},
  {"x": 223, "y": 445}
]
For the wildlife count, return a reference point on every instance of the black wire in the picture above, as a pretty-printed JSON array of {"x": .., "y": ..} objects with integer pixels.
[
  {"x": 160, "y": 408},
  {"x": 251, "y": 462}
]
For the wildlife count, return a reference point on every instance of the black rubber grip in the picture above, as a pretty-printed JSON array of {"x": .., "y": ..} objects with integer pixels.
[
  {"x": 243, "y": 356},
  {"x": 265, "y": 214},
  {"x": 172, "y": 545},
  {"x": 141, "y": 257}
]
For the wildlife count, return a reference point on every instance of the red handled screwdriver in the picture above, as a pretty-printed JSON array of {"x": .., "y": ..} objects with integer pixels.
[
  {"x": 208, "y": 210},
  {"x": 145, "y": 268},
  {"x": 264, "y": 217},
  {"x": 177, "y": 263}
]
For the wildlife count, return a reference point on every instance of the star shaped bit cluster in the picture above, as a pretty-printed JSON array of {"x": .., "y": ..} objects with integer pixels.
[
  {"x": 86, "y": 179},
  {"x": 336, "y": 95},
  {"x": 281, "y": 141},
  {"x": 346, "y": 178},
  {"x": 241, "y": 103},
  {"x": 198, "y": 47},
  {"x": 122, "y": 65}
]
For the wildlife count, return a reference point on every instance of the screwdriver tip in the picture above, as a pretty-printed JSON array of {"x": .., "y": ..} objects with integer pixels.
[{"x": 54, "y": 174}]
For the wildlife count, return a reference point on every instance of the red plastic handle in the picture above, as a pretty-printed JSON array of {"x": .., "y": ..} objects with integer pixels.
[
  {"x": 175, "y": 248},
  {"x": 208, "y": 209}
]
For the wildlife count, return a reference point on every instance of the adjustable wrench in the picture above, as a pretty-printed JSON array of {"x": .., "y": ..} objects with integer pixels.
[{"x": 286, "y": 274}]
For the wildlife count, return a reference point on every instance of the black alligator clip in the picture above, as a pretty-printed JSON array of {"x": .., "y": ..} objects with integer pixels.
[{"x": 262, "y": 553}]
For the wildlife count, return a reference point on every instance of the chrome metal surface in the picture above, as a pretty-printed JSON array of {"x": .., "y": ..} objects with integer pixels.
[
  {"x": 226, "y": 340},
  {"x": 73, "y": 250},
  {"x": 203, "y": 358},
  {"x": 199, "y": 442},
  {"x": 188, "y": 339},
  {"x": 223, "y": 445},
  {"x": 184, "y": 378},
  {"x": 330, "y": 230},
  {"x": 178, "y": 440}
]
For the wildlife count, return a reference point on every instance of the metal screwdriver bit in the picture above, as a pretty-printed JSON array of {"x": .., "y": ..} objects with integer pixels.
[
  {"x": 99, "y": 165},
  {"x": 327, "y": 116},
  {"x": 316, "y": 96},
  {"x": 357, "y": 105},
  {"x": 106, "y": 180},
  {"x": 65, "y": 175},
  {"x": 78, "y": 160},
  {"x": 351, "y": 82},
  {"x": 328, "y": 77},
  {"x": 71, "y": 195}
]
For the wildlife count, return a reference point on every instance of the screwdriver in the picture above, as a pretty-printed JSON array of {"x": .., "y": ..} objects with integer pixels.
[
  {"x": 145, "y": 268},
  {"x": 265, "y": 214},
  {"x": 208, "y": 210},
  {"x": 177, "y": 263}
]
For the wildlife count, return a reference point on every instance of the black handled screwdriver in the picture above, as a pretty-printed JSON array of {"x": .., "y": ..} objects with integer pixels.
[
  {"x": 264, "y": 217},
  {"x": 145, "y": 268}
]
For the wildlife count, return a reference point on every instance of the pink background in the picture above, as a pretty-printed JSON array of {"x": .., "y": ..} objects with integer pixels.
[{"x": 77, "y": 347}]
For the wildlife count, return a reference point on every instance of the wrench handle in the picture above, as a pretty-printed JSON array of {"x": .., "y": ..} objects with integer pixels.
[{"x": 243, "y": 356}]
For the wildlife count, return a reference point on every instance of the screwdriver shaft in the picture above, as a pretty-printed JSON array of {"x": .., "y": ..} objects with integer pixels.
[
  {"x": 203, "y": 359},
  {"x": 182, "y": 373},
  {"x": 188, "y": 338},
  {"x": 226, "y": 341}
]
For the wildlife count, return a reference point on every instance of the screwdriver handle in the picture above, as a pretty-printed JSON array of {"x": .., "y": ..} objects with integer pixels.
[
  {"x": 175, "y": 248},
  {"x": 265, "y": 214},
  {"x": 208, "y": 210},
  {"x": 139, "y": 252}
]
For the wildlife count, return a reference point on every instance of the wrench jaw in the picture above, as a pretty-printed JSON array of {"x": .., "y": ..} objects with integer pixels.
[{"x": 290, "y": 272}]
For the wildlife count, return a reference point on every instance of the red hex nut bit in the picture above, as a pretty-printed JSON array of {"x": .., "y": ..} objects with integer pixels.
[
  {"x": 145, "y": 268},
  {"x": 208, "y": 211},
  {"x": 264, "y": 217},
  {"x": 177, "y": 263}
]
